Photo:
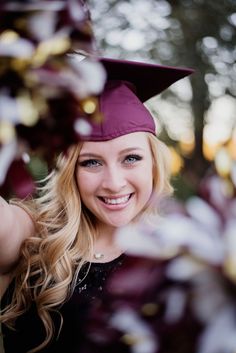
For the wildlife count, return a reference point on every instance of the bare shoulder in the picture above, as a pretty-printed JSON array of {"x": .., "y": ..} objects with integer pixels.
[
  {"x": 24, "y": 218},
  {"x": 17, "y": 224}
]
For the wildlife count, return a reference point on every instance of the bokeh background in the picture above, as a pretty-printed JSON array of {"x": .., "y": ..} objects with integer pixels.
[{"x": 197, "y": 116}]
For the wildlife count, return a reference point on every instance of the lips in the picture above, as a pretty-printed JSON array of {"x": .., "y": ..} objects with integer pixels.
[{"x": 115, "y": 200}]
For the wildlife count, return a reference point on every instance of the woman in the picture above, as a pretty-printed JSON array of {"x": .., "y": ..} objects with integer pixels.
[{"x": 58, "y": 250}]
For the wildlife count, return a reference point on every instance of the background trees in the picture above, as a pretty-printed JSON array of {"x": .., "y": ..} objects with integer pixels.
[{"x": 201, "y": 112}]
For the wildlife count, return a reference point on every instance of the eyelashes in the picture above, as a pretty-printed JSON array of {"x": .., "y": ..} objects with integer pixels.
[
  {"x": 93, "y": 163},
  {"x": 132, "y": 158}
]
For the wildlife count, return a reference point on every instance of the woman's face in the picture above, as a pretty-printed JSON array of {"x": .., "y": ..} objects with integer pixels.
[{"x": 115, "y": 178}]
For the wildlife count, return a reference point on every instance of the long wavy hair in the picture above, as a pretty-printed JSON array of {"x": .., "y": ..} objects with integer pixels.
[{"x": 64, "y": 237}]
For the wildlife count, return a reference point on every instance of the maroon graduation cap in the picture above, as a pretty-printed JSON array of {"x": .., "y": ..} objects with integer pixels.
[{"x": 129, "y": 84}]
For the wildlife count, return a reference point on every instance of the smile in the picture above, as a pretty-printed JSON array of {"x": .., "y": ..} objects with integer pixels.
[{"x": 116, "y": 201}]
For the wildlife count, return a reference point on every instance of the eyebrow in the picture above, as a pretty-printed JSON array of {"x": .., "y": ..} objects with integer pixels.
[{"x": 126, "y": 150}]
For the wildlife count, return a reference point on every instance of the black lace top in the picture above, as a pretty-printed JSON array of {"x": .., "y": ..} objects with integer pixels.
[{"x": 30, "y": 331}]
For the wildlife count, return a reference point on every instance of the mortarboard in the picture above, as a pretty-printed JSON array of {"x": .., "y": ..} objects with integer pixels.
[{"x": 129, "y": 84}]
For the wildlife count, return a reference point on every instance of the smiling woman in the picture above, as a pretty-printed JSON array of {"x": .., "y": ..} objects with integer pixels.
[
  {"x": 111, "y": 182},
  {"x": 59, "y": 248}
]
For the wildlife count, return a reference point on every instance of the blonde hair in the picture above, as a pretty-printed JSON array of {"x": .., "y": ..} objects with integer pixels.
[
  {"x": 65, "y": 231},
  {"x": 161, "y": 171}
]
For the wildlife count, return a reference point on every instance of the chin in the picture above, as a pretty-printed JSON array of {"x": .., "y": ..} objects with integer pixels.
[{"x": 121, "y": 223}]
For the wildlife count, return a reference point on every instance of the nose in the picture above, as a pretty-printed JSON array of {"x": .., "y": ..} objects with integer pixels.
[{"x": 114, "y": 180}]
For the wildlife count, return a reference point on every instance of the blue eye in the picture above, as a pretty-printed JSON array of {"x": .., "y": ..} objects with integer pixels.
[
  {"x": 90, "y": 163},
  {"x": 132, "y": 158}
]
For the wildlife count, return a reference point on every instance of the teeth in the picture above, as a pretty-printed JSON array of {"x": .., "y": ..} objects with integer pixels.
[{"x": 117, "y": 201}]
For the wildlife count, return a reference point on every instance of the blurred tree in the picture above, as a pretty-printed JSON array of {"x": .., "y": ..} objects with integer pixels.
[{"x": 196, "y": 33}]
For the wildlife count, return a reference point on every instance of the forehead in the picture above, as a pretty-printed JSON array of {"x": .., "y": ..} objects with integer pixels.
[{"x": 136, "y": 140}]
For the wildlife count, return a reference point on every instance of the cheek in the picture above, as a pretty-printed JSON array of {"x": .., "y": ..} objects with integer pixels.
[
  {"x": 144, "y": 179},
  {"x": 87, "y": 185},
  {"x": 84, "y": 183},
  {"x": 149, "y": 171}
]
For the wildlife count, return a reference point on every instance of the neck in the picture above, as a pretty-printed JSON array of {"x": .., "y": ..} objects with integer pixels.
[
  {"x": 105, "y": 248},
  {"x": 105, "y": 233}
]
